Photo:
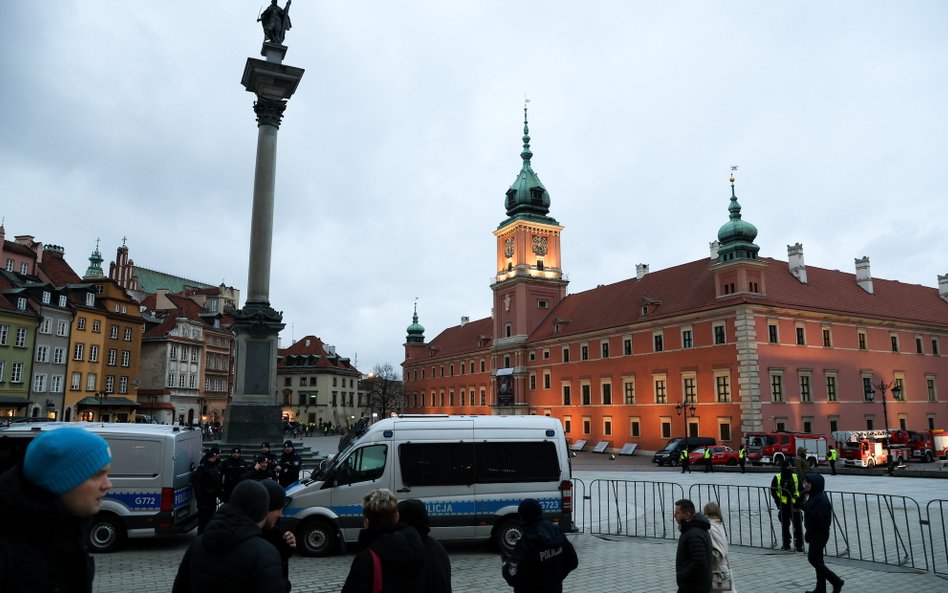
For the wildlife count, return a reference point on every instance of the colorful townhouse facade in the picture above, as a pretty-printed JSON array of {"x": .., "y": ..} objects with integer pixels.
[
  {"x": 317, "y": 386},
  {"x": 722, "y": 346}
]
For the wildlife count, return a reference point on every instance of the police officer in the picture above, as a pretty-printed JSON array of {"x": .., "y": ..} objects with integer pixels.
[
  {"x": 832, "y": 457},
  {"x": 289, "y": 465},
  {"x": 684, "y": 460},
  {"x": 207, "y": 485},
  {"x": 785, "y": 490},
  {"x": 271, "y": 459},
  {"x": 260, "y": 469},
  {"x": 708, "y": 467},
  {"x": 232, "y": 469},
  {"x": 742, "y": 458}
]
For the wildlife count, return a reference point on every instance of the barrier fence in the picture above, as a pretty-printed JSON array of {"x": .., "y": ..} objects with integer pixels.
[{"x": 878, "y": 528}]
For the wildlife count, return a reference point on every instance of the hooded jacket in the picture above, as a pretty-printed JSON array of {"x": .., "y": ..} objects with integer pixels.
[
  {"x": 43, "y": 547},
  {"x": 818, "y": 512},
  {"x": 541, "y": 559},
  {"x": 693, "y": 561},
  {"x": 230, "y": 557},
  {"x": 402, "y": 557}
]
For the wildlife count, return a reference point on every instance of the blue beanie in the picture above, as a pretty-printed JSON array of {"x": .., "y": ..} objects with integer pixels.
[{"x": 60, "y": 459}]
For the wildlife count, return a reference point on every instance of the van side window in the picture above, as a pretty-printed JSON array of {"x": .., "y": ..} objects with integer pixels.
[
  {"x": 365, "y": 464},
  {"x": 136, "y": 458},
  {"x": 498, "y": 462},
  {"x": 436, "y": 464}
]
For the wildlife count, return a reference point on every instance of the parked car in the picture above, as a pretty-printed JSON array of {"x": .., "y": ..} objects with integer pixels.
[
  {"x": 720, "y": 455},
  {"x": 672, "y": 449}
]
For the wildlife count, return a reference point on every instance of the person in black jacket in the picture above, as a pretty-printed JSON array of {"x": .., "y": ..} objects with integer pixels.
[
  {"x": 232, "y": 470},
  {"x": 542, "y": 557},
  {"x": 786, "y": 491},
  {"x": 391, "y": 553},
  {"x": 413, "y": 513},
  {"x": 231, "y": 555},
  {"x": 207, "y": 484},
  {"x": 274, "y": 530},
  {"x": 288, "y": 465},
  {"x": 260, "y": 470},
  {"x": 693, "y": 561},
  {"x": 818, "y": 517},
  {"x": 48, "y": 500}
]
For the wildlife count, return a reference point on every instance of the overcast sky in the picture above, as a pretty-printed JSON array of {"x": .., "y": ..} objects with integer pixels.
[{"x": 128, "y": 119}]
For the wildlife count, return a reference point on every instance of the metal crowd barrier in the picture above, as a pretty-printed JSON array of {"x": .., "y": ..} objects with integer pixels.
[{"x": 877, "y": 528}]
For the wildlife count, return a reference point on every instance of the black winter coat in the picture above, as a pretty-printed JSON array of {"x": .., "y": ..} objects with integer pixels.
[
  {"x": 541, "y": 560},
  {"x": 43, "y": 547},
  {"x": 437, "y": 566},
  {"x": 232, "y": 470},
  {"x": 818, "y": 512},
  {"x": 402, "y": 556},
  {"x": 693, "y": 561},
  {"x": 230, "y": 557},
  {"x": 290, "y": 466}
]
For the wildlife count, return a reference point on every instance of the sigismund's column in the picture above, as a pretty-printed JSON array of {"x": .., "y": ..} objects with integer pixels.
[{"x": 255, "y": 413}]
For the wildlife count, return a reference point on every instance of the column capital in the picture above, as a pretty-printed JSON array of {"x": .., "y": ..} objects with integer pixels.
[{"x": 269, "y": 111}]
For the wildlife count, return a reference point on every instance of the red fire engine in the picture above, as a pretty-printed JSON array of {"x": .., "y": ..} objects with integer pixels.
[
  {"x": 773, "y": 447},
  {"x": 867, "y": 448},
  {"x": 920, "y": 442},
  {"x": 940, "y": 443}
]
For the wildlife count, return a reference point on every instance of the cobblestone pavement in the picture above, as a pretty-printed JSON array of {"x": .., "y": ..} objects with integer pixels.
[{"x": 607, "y": 564}]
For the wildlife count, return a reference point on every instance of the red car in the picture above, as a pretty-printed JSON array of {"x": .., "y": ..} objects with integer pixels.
[{"x": 720, "y": 455}]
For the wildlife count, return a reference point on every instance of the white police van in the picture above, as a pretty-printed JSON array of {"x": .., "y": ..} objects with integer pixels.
[
  {"x": 470, "y": 471},
  {"x": 150, "y": 475}
]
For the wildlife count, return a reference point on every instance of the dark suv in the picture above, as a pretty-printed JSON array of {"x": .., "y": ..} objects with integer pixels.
[{"x": 669, "y": 454}]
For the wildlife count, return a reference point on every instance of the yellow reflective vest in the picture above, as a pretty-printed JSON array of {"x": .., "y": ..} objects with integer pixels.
[{"x": 782, "y": 493}]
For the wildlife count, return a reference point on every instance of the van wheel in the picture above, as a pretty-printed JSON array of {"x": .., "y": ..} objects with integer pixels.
[
  {"x": 812, "y": 462},
  {"x": 107, "y": 534},
  {"x": 316, "y": 538},
  {"x": 507, "y": 535},
  {"x": 871, "y": 462}
]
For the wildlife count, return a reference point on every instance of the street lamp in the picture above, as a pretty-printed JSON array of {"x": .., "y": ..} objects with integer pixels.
[
  {"x": 102, "y": 396},
  {"x": 680, "y": 409},
  {"x": 870, "y": 397}
]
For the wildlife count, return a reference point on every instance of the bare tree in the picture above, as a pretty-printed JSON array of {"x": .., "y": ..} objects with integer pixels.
[{"x": 386, "y": 392}]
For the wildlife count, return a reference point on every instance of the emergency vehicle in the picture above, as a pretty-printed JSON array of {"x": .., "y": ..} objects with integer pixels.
[
  {"x": 940, "y": 441},
  {"x": 867, "y": 448},
  {"x": 919, "y": 441},
  {"x": 773, "y": 447}
]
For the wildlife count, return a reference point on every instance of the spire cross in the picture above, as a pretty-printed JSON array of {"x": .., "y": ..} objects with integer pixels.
[{"x": 124, "y": 239}]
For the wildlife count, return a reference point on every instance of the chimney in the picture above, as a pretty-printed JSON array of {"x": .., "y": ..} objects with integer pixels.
[
  {"x": 640, "y": 271},
  {"x": 863, "y": 277},
  {"x": 162, "y": 302},
  {"x": 797, "y": 267},
  {"x": 464, "y": 320},
  {"x": 943, "y": 287},
  {"x": 714, "y": 249}
]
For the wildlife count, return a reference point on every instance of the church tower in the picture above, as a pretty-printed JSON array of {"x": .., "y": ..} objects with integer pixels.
[
  {"x": 529, "y": 278},
  {"x": 737, "y": 270}
]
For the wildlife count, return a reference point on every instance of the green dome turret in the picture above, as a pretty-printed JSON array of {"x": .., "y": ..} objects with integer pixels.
[
  {"x": 527, "y": 197},
  {"x": 95, "y": 264},
  {"x": 416, "y": 331},
  {"x": 736, "y": 236}
]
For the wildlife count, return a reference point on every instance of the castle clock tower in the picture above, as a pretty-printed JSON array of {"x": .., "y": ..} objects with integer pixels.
[{"x": 529, "y": 280}]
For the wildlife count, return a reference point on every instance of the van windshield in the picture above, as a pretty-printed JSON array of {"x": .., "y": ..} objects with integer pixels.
[
  {"x": 672, "y": 445},
  {"x": 346, "y": 443}
]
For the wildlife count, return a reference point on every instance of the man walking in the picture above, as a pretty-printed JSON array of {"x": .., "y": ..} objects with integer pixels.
[
  {"x": 742, "y": 458},
  {"x": 832, "y": 457},
  {"x": 684, "y": 460},
  {"x": 693, "y": 560},
  {"x": 819, "y": 517},
  {"x": 708, "y": 467},
  {"x": 542, "y": 557},
  {"x": 785, "y": 490},
  {"x": 48, "y": 501}
]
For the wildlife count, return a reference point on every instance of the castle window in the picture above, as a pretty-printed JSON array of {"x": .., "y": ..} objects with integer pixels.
[
  {"x": 543, "y": 303},
  {"x": 540, "y": 264}
]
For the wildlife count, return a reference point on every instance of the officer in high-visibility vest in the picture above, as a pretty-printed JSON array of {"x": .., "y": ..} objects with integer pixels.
[
  {"x": 832, "y": 457},
  {"x": 707, "y": 460},
  {"x": 742, "y": 458},
  {"x": 785, "y": 490},
  {"x": 684, "y": 460}
]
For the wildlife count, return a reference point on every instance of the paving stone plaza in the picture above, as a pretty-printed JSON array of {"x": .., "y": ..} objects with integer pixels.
[{"x": 607, "y": 564}]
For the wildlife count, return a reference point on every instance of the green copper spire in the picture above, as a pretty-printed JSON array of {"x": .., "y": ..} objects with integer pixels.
[
  {"x": 527, "y": 198},
  {"x": 416, "y": 331},
  {"x": 736, "y": 236},
  {"x": 95, "y": 264}
]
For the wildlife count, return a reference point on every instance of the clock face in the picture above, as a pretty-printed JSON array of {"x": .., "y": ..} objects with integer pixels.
[
  {"x": 509, "y": 247},
  {"x": 539, "y": 245}
]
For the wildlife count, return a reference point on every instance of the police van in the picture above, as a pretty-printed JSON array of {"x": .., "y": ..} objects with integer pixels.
[
  {"x": 471, "y": 472},
  {"x": 150, "y": 475}
]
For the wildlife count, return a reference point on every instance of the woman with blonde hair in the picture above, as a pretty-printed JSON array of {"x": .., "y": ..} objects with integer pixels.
[{"x": 720, "y": 565}]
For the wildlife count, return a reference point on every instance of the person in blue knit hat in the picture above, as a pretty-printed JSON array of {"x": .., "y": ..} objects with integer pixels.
[{"x": 48, "y": 501}]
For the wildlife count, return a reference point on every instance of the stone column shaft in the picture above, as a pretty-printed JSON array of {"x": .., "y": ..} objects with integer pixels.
[{"x": 261, "y": 226}]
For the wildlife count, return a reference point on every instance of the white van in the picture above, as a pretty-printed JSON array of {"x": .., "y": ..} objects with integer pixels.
[
  {"x": 470, "y": 471},
  {"x": 150, "y": 475}
]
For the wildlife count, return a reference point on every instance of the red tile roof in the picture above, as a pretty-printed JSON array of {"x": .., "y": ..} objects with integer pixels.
[
  {"x": 311, "y": 346},
  {"x": 55, "y": 269},
  {"x": 463, "y": 339}
]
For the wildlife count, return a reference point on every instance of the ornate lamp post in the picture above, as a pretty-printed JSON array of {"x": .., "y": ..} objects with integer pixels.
[
  {"x": 681, "y": 407},
  {"x": 103, "y": 397},
  {"x": 896, "y": 389}
]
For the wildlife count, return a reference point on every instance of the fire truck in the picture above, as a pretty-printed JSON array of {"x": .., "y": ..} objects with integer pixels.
[
  {"x": 764, "y": 448},
  {"x": 919, "y": 441},
  {"x": 867, "y": 448},
  {"x": 940, "y": 443}
]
